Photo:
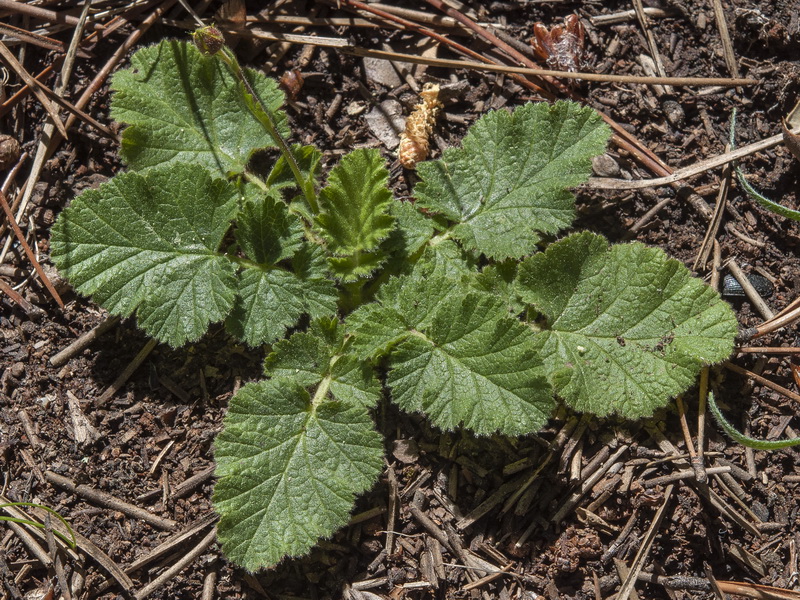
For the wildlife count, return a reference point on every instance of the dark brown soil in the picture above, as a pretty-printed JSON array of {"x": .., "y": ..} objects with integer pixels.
[{"x": 157, "y": 431}]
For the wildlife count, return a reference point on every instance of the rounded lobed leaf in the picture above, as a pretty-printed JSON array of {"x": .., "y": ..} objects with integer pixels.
[
  {"x": 148, "y": 243},
  {"x": 185, "y": 107},
  {"x": 289, "y": 471},
  {"x": 510, "y": 180},
  {"x": 474, "y": 366},
  {"x": 627, "y": 329}
]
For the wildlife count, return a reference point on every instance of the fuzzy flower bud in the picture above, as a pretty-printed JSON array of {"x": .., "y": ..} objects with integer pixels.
[{"x": 208, "y": 39}]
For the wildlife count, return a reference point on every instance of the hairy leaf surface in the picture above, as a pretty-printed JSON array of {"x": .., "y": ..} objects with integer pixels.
[
  {"x": 404, "y": 304},
  {"x": 272, "y": 298},
  {"x": 498, "y": 280},
  {"x": 265, "y": 230},
  {"x": 414, "y": 229},
  {"x": 308, "y": 160},
  {"x": 509, "y": 181},
  {"x": 185, "y": 107},
  {"x": 475, "y": 367},
  {"x": 628, "y": 328},
  {"x": 355, "y": 213},
  {"x": 456, "y": 356},
  {"x": 289, "y": 471},
  {"x": 309, "y": 357},
  {"x": 148, "y": 243}
]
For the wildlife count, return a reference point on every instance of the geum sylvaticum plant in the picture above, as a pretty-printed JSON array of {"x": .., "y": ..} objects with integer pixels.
[{"x": 448, "y": 302}]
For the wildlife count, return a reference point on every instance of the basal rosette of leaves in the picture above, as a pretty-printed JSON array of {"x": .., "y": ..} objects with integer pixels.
[{"x": 449, "y": 303}]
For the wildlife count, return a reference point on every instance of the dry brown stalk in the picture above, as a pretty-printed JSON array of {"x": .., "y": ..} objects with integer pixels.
[
  {"x": 28, "y": 252},
  {"x": 762, "y": 380},
  {"x": 768, "y": 350},
  {"x": 22, "y": 92},
  {"x": 176, "y": 568},
  {"x": 83, "y": 341},
  {"x": 11, "y": 60},
  {"x": 727, "y": 45},
  {"x": 751, "y": 293},
  {"x": 127, "y": 372},
  {"x": 106, "y": 500},
  {"x": 638, "y": 562},
  {"x": 32, "y": 38},
  {"x": 15, "y": 297},
  {"x": 515, "y": 70},
  {"x": 440, "y": 38},
  {"x": 43, "y": 14},
  {"x": 691, "y": 171},
  {"x": 756, "y": 591},
  {"x": 77, "y": 112}
]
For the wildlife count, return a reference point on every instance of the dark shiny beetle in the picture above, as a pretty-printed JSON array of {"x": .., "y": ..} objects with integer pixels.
[{"x": 732, "y": 289}]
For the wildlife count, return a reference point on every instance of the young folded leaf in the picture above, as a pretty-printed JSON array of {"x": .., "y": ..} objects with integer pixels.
[
  {"x": 272, "y": 297},
  {"x": 309, "y": 357},
  {"x": 355, "y": 214},
  {"x": 406, "y": 304}
]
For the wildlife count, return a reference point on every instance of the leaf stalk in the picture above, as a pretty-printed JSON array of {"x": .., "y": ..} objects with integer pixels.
[{"x": 261, "y": 113}]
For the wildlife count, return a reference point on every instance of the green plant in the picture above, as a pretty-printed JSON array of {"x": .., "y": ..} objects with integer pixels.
[
  {"x": 765, "y": 202},
  {"x": 469, "y": 322},
  {"x": 788, "y": 213},
  {"x": 70, "y": 541}
]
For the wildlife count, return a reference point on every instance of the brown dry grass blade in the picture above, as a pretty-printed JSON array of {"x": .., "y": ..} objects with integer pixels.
[
  {"x": 758, "y": 592},
  {"x": 32, "y": 38}
]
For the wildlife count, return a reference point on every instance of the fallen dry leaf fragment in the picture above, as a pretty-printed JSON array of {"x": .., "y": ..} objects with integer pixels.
[
  {"x": 291, "y": 83},
  {"x": 386, "y": 122},
  {"x": 793, "y": 118},
  {"x": 792, "y": 140}
]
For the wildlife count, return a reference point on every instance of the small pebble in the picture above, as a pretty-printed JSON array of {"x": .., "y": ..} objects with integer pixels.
[
  {"x": 605, "y": 166},
  {"x": 406, "y": 451},
  {"x": 18, "y": 370}
]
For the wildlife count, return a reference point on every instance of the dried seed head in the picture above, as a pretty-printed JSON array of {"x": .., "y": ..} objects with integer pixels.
[
  {"x": 208, "y": 39},
  {"x": 415, "y": 140},
  {"x": 562, "y": 46},
  {"x": 9, "y": 151}
]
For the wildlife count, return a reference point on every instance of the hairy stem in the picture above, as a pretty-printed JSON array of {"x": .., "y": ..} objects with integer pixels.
[
  {"x": 743, "y": 439},
  {"x": 263, "y": 116}
]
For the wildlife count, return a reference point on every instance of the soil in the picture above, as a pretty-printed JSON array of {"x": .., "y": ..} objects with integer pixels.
[{"x": 565, "y": 511}]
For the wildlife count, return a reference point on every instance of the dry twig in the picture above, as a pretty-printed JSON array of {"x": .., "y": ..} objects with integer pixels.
[
  {"x": 28, "y": 252},
  {"x": 106, "y": 500}
]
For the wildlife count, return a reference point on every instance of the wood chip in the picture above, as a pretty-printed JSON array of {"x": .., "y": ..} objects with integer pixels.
[{"x": 83, "y": 431}]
